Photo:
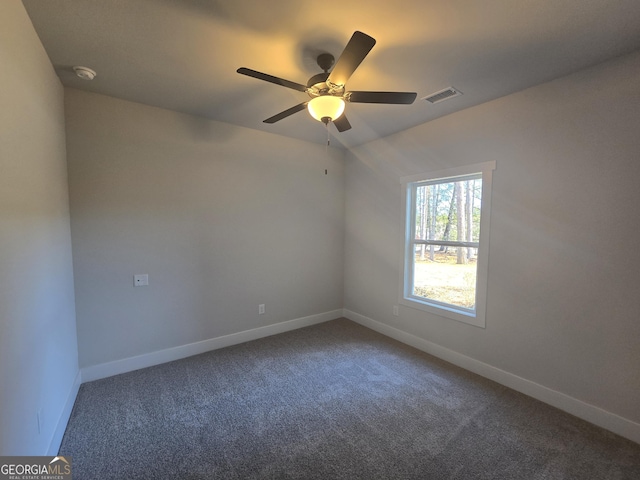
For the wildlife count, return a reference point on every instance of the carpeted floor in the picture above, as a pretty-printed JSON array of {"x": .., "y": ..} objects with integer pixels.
[{"x": 331, "y": 401}]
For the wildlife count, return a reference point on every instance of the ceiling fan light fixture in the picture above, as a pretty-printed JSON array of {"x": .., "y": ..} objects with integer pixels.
[{"x": 326, "y": 107}]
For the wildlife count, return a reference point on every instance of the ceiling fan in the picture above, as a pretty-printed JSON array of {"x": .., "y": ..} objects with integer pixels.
[{"x": 327, "y": 89}]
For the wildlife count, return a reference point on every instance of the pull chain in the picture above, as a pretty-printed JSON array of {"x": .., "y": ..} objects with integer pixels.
[
  {"x": 328, "y": 138},
  {"x": 326, "y": 148}
]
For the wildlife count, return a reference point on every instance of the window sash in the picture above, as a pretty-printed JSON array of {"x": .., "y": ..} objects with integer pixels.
[
  {"x": 439, "y": 181},
  {"x": 446, "y": 243}
]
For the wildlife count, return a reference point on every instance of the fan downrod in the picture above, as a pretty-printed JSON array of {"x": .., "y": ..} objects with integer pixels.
[{"x": 325, "y": 62}]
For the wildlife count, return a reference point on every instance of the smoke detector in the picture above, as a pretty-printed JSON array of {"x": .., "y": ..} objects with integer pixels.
[{"x": 85, "y": 73}]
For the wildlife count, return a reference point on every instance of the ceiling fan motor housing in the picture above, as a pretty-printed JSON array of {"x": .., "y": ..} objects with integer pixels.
[
  {"x": 318, "y": 81},
  {"x": 318, "y": 85}
]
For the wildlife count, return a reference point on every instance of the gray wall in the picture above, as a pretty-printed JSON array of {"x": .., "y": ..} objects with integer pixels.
[
  {"x": 38, "y": 353},
  {"x": 222, "y": 218},
  {"x": 563, "y": 288}
]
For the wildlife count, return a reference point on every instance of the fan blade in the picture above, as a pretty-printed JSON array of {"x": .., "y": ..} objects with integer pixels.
[
  {"x": 286, "y": 113},
  {"x": 353, "y": 54},
  {"x": 342, "y": 123},
  {"x": 272, "y": 79},
  {"x": 398, "y": 98}
]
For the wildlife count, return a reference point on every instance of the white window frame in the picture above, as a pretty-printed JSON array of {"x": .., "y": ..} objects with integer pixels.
[{"x": 475, "y": 316}]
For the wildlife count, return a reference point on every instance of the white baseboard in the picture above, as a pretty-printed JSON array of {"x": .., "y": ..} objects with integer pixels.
[
  {"x": 96, "y": 372},
  {"x": 602, "y": 418},
  {"x": 61, "y": 426}
]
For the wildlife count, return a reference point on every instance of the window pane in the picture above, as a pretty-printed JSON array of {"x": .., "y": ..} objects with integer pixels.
[
  {"x": 448, "y": 211},
  {"x": 445, "y": 274}
]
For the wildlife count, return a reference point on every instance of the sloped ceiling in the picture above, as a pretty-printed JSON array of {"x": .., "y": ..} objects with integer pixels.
[{"x": 183, "y": 54}]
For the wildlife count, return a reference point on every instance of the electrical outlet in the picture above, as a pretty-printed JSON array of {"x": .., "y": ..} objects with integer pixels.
[
  {"x": 396, "y": 312},
  {"x": 261, "y": 309},
  {"x": 141, "y": 280}
]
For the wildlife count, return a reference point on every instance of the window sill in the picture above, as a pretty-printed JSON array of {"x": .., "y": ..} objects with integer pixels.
[{"x": 461, "y": 315}]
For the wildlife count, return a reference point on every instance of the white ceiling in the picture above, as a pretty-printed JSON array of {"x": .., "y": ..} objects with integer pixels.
[{"x": 183, "y": 54}]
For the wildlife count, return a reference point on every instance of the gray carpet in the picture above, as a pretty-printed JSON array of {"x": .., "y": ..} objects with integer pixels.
[{"x": 331, "y": 401}]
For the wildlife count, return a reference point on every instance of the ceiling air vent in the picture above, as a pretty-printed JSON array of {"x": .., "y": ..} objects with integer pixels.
[{"x": 443, "y": 95}]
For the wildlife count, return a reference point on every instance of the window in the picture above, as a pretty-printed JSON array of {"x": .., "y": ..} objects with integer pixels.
[{"x": 445, "y": 250}]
